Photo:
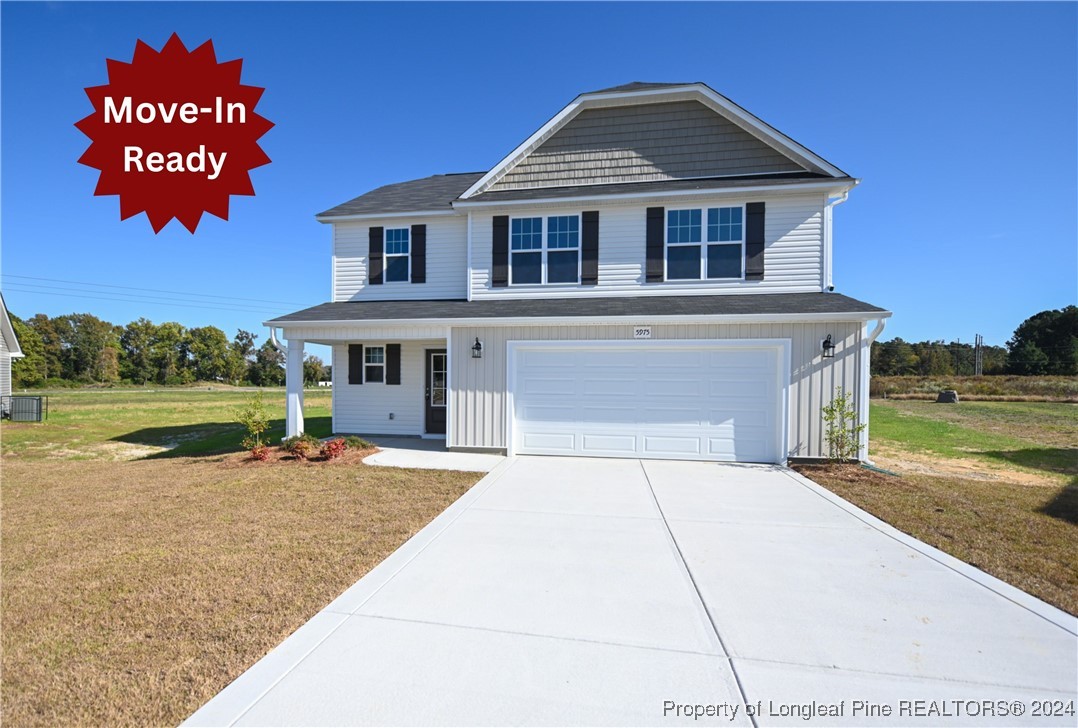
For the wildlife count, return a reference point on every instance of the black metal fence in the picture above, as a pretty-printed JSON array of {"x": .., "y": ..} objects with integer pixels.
[{"x": 24, "y": 408}]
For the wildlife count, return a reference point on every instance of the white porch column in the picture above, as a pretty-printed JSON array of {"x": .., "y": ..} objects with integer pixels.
[{"x": 294, "y": 389}]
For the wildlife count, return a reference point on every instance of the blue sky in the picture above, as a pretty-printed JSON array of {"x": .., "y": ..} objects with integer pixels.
[{"x": 960, "y": 118}]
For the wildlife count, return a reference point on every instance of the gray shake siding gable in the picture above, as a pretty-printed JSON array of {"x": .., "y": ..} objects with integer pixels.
[{"x": 663, "y": 141}]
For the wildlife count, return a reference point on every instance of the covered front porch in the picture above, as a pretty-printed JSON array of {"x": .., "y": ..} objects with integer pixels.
[{"x": 386, "y": 380}]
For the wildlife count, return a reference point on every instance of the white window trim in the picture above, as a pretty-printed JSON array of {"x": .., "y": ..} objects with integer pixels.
[
  {"x": 366, "y": 350},
  {"x": 704, "y": 243},
  {"x": 545, "y": 249},
  {"x": 386, "y": 256}
]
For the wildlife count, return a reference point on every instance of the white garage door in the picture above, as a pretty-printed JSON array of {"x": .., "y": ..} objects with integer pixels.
[{"x": 700, "y": 400}]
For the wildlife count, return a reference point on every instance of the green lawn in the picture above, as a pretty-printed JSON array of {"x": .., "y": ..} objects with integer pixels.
[
  {"x": 1035, "y": 436},
  {"x": 91, "y": 424}
]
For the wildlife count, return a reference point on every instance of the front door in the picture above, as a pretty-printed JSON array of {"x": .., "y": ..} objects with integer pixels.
[{"x": 436, "y": 389}]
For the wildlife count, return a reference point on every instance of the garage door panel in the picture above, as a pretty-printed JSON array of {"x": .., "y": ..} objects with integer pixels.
[
  {"x": 742, "y": 358},
  {"x": 541, "y": 359},
  {"x": 673, "y": 416},
  {"x": 667, "y": 445},
  {"x": 744, "y": 449},
  {"x": 740, "y": 389},
  {"x": 549, "y": 385},
  {"x": 623, "y": 444},
  {"x": 713, "y": 401},
  {"x": 675, "y": 359},
  {"x": 621, "y": 387},
  {"x": 548, "y": 413},
  {"x": 601, "y": 360},
  {"x": 561, "y": 442},
  {"x": 676, "y": 387},
  {"x": 609, "y": 414}
]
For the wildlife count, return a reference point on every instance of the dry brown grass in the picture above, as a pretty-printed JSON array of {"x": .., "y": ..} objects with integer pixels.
[
  {"x": 1022, "y": 533},
  {"x": 134, "y": 591}
]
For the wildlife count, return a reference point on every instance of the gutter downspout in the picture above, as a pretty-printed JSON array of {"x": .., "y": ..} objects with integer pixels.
[
  {"x": 276, "y": 344},
  {"x": 829, "y": 205},
  {"x": 862, "y": 404}
]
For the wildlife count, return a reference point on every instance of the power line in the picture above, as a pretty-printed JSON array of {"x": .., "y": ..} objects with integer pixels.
[
  {"x": 140, "y": 297},
  {"x": 129, "y": 300},
  {"x": 150, "y": 290}
]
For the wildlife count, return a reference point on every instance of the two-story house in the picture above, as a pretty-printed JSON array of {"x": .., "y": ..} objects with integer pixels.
[{"x": 647, "y": 275}]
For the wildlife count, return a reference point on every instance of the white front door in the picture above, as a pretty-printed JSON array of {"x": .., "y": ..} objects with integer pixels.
[{"x": 691, "y": 400}]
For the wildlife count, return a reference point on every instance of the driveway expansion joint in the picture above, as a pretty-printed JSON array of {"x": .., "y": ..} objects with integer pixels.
[
  {"x": 538, "y": 635},
  {"x": 700, "y": 597}
]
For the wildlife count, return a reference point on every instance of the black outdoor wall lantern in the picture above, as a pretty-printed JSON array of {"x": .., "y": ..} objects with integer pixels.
[
  {"x": 477, "y": 349},
  {"x": 828, "y": 348}
]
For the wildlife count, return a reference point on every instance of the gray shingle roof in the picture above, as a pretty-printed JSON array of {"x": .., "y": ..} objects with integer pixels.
[
  {"x": 636, "y": 306},
  {"x": 633, "y": 188},
  {"x": 436, "y": 192},
  {"x": 639, "y": 86}
]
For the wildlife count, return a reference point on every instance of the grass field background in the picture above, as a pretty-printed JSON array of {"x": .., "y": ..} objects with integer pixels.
[{"x": 120, "y": 423}]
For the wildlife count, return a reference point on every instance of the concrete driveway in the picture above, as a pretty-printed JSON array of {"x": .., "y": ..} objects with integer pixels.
[{"x": 569, "y": 591}]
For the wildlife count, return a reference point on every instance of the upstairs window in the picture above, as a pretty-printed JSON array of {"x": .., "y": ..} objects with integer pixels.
[
  {"x": 374, "y": 363},
  {"x": 695, "y": 251},
  {"x": 397, "y": 249},
  {"x": 544, "y": 250}
]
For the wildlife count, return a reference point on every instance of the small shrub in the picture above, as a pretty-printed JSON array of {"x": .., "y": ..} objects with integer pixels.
[
  {"x": 260, "y": 452},
  {"x": 358, "y": 443},
  {"x": 253, "y": 416},
  {"x": 334, "y": 448},
  {"x": 302, "y": 446},
  {"x": 842, "y": 435}
]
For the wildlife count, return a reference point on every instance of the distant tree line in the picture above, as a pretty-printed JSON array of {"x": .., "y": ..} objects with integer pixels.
[
  {"x": 80, "y": 348},
  {"x": 1044, "y": 344}
]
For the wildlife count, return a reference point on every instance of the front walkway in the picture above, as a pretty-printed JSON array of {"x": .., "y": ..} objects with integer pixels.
[
  {"x": 416, "y": 452},
  {"x": 567, "y": 591}
]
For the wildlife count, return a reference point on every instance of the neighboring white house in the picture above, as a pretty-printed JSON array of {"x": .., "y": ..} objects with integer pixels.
[
  {"x": 647, "y": 275},
  {"x": 9, "y": 349}
]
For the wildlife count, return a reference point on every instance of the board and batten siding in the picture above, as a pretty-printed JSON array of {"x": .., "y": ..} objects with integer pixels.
[
  {"x": 793, "y": 252},
  {"x": 364, "y": 409},
  {"x": 5, "y": 367},
  {"x": 478, "y": 385},
  {"x": 644, "y": 142},
  {"x": 447, "y": 260}
]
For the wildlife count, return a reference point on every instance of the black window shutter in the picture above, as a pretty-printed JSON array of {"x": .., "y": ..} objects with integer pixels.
[
  {"x": 355, "y": 363},
  {"x": 589, "y": 250},
  {"x": 499, "y": 253},
  {"x": 374, "y": 256},
  {"x": 419, "y": 256},
  {"x": 655, "y": 244},
  {"x": 754, "y": 241},
  {"x": 393, "y": 363}
]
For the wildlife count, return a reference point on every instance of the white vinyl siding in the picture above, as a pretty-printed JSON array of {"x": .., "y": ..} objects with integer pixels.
[
  {"x": 5, "y": 367},
  {"x": 793, "y": 254},
  {"x": 447, "y": 256},
  {"x": 365, "y": 408},
  {"x": 478, "y": 386}
]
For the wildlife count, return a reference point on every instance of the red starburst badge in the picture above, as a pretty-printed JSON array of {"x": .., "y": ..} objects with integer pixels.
[{"x": 174, "y": 134}]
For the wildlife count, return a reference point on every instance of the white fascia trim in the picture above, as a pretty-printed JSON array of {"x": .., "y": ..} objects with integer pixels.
[
  {"x": 379, "y": 215},
  {"x": 760, "y": 129},
  {"x": 595, "y": 320},
  {"x": 729, "y": 191},
  {"x": 501, "y": 167}
]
